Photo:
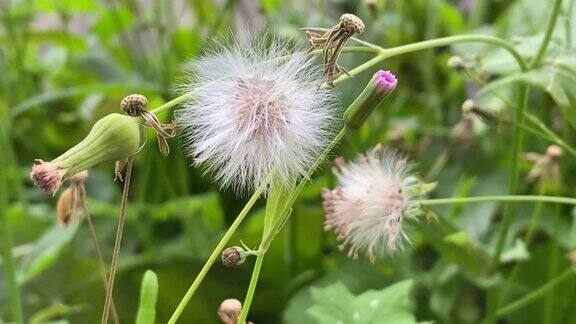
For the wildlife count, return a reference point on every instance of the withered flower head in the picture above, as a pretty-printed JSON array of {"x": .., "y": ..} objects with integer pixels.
[{"x": 114, "y": 137}]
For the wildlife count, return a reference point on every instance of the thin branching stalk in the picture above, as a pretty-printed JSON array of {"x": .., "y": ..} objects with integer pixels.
[
  {"x": 509, "y": 198},
  {"x": 214, "y": 256},
  {"x": 99, "y": 258},
  {"x": 118, "y": 241}
]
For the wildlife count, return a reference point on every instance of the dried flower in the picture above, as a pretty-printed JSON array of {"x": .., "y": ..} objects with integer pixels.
[
  {"x": 114, "y": 137},
  {"x": 333, "y": 41},
  {"x": 545, "y": 165},
  {"x": 374, "y": 195},
  {"x": 254, "y": 113},
  {"x": 72, "y": 201},
  {"x": 229, "y": 311},
  {"x": 463, "y": 131},
  {"x": 135, "y": 105},
  {"x": 379, "y": 87}
]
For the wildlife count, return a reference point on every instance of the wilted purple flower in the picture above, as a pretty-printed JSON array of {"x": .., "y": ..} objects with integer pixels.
[
  {"x": 255, "y": 113},
  {"x": 367, "y": 208}
]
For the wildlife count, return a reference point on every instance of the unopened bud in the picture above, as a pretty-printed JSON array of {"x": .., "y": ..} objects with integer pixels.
[
  {"x": 114, "y": 137},
  {"x": 233, "y": 256},
  {"x": 229, "y": 311},
  {"x": 456, "y": 62},
  {"x": 554, "y": 151},
  {"x": 468, "y": 106},
  {"x": 381, "y": 84}
]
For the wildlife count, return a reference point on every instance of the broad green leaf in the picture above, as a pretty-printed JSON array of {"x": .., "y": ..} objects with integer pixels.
[
  {"x": 336, "y": 304},
  {"x": 148, "y": 295}
]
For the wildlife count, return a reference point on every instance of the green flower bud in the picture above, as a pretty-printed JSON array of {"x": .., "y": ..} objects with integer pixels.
[
  {"x": 233, "y": 256},
  {"x": 114, "y": 137},
  {"x": 381, "y": 84}
]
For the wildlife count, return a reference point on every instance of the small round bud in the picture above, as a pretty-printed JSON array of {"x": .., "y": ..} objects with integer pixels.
[
  {"x": 455, "y": 62},
  {"x": 229, "y": 311},
  {"x": 468, "y": 106},
  {"x": 233, "y": 256},
  {"x": 554, "y": 151},
  {"x": 133, "y": 104},
  {"x": 352, "y": 23}
]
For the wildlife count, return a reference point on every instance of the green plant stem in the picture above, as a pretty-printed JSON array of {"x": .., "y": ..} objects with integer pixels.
[
  {"x": 117, "y": 241},
  {"x": 509, "y": 198},
  {"x": 547, "y": 36},
  {"x": 553, "y": 259},
  {"x": 7, "y": 252},
  {"x": 251, "y": 287},
  {"x": 517, "y": 138},
  {"x": 538, "y": 293},
  {"x": 534, "y": 221},
  {"x": 214, "y": 256},
  {"x": 450, "y": 40},
  {"x": 99, "y": 259}
]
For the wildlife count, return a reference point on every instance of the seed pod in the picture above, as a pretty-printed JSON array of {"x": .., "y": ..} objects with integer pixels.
[
  {"x": 233, "y": 256},
  {"x": 114, "y": 137},
  {"x": 381, "y": 84}
]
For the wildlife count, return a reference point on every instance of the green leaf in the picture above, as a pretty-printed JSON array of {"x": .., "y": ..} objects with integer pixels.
[
  {"x": 46, "y": 251},
  {"x": 148, "y": 295},
  {"x": 336, "y": 304}
]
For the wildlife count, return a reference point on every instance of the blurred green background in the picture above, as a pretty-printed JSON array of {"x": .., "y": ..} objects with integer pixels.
[{"x": 64, "y": 64}]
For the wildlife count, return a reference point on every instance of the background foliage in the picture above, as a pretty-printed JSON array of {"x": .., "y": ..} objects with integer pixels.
[{"x": 66, "y": 63}]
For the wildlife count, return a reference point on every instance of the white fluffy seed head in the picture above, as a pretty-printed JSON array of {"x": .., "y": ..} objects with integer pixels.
[
  {"x": 366, "y": 210},
  {"x": 254, "y": 112}
]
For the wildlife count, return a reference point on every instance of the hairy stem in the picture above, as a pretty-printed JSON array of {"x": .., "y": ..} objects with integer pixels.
[
  {"x": 214, "y": 256},
  {"x": 118, "y": 241}
]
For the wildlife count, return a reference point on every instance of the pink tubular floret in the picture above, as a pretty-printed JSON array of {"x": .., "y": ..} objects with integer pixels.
[{"x": 385, "y": 80}]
